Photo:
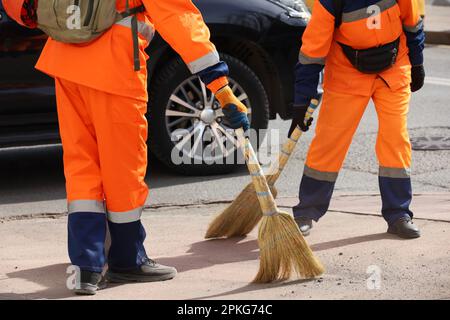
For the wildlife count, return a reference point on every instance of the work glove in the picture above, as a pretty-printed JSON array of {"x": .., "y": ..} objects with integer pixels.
[
  {"x": 298, "y": 119},
  {"x": 417, "y": 77},
  {"x": 234, "y": 110}
]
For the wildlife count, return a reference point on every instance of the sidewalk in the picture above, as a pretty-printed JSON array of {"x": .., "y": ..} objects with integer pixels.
[
  {"x": 349, "y": 240},
  {"x": 437, "y": 24}
]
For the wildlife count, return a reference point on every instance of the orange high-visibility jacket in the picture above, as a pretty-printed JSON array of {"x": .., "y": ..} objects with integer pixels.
[
  {"x": 106, "y": 64},
  {"x": 360, "y": 30}
]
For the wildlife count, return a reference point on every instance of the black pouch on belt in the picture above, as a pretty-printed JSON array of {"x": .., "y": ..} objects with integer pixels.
[{"x": 372, "y": 60}]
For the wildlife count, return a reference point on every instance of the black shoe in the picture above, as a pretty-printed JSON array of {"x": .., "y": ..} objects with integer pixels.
[
  {"x": 150, "y": 271},
  {"x": 90, "y": 283},
  {"x": 404, "y": 228},
  {"x": 305, "y": 225}
]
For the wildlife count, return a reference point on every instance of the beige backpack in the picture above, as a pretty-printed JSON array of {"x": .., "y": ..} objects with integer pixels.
[{"x": 82, "y": 21}]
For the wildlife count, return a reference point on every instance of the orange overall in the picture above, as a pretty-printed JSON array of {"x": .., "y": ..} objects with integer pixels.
[
  {"x": 102, "y": 102},
  {"x": 347, "y": 92}
]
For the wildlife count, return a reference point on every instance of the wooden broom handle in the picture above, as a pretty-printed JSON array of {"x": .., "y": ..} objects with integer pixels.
[
  {"x": 289, "y": 146},
  {"x": 265, "y": 197}
]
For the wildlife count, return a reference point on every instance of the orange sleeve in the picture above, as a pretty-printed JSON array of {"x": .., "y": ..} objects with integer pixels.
[
  {"x": 14, "y": 9},
  {"x": 409, "y": 13},
  {"x": 318, "y": 36},
  {"x": 181, "y": 25}
]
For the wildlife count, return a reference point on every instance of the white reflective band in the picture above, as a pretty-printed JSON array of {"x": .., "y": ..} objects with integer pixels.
[
  {"x": 398, "y": 173},
  {"x": 86, "y": 206},
  {"x": 304, "y": 59},
  {"x": 144, "y": 29},
  {"x": 364, "y": 13},
  {"x": 320, "y": 175},
  {"x": 125, "y": 217},
  {"x": 204, "y": 62},
  {"x": 415, "y": 28}
]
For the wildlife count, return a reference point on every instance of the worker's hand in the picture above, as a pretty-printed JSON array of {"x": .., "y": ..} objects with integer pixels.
[
  {"x": 298, "y": 119},
  {"x": 417, "y": 78},
  {"x": 234, "y": 110}
]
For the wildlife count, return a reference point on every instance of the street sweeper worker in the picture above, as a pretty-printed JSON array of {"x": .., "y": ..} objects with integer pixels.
[
  {"x": 101, "y": 92},
  {"x": 370, "y": 50}
]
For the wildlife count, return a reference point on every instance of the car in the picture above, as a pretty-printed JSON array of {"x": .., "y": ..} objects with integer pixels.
[{"x": 259, "y": 39}]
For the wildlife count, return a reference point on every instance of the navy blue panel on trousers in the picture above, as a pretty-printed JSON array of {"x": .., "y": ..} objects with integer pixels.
[
  {"x": 127, "y": 250},
  {"x": 315, "y": 197},
  {"x": 396, "y": 194},
  {"x": 87, "y": 233}
]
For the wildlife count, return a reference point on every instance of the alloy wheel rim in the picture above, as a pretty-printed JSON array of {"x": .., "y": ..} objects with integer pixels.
[{"x": 195, "y": 121}]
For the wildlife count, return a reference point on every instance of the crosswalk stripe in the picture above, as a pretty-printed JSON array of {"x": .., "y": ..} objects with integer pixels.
[{"x": 438, "y": 81}]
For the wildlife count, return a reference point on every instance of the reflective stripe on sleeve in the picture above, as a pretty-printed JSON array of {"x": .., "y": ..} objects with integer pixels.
[
  {"x": 144, "y": 29},
  {"x": 204, "y": 62},
  {"x": 320, "y": 175},
  {"x": 364, "y": 13},
  {"x": 415, "y": 28},
  {"x": 394, "y": 172},
  {"x": 125, "y": 217},
  {"x": 86, "y": 206},
  {"x": 304, "y": 59}
]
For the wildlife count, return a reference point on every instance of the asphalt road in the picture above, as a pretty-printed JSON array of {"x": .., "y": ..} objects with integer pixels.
[{"x": 32, "y": 180}]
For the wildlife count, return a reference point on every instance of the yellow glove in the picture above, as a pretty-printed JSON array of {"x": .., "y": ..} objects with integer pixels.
[
  {"x": 225, "y": 96},
  {"x": 234, "y": 110}
]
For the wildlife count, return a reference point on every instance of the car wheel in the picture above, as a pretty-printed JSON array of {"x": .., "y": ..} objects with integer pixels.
[{"x": 187, "y": 131}]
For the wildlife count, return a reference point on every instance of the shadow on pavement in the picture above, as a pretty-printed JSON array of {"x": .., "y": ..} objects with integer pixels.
[
  {"x": 351, "y": 241},
  {"x": 52, "y": 278},
  {"x": 256, "y": 287},
  {"x": 209, "y": 253},
  {"x": 201, "y": 255},
  {"x": 209, "y": 248}
]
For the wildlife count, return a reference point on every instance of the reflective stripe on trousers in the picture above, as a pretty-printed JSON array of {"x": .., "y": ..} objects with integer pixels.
[
  {"x": 125, "y": 217},
  {"x": 92, "y": 206}
]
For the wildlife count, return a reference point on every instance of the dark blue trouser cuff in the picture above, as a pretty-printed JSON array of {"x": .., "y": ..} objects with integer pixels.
[
  {"x": 127, "y": 250},
  {"x": 396, "y": 195},
  {"x": 315, "y": 197},
  {"x": 86, "y": 240}
]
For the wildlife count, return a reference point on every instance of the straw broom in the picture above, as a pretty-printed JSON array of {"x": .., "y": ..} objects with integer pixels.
[
  {"x": 283, "y": 250},
  {"x": 244, "y": 213}
]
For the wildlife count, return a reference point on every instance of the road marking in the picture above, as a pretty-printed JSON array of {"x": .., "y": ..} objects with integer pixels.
[{"x": 438, "y": 81}]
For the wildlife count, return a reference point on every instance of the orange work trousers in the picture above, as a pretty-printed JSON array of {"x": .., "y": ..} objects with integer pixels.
[
  {"x": 105, "y": 151},
  {"x": 339, "y": 118}
]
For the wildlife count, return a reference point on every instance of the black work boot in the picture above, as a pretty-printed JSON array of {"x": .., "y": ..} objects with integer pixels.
[
  {"x": 404, "y": 228},
  {"x": 90, "y": 283},
  {"x": 305, "y": 225},
  {"x": 150, "y": 271}
]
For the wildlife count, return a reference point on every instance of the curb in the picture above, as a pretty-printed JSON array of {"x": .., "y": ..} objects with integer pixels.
[{"x": 437, "y": 37}]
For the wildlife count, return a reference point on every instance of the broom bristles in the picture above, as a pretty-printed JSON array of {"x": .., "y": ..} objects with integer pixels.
[
  {"x": 240, "y": 217},
  {"x": 283, "y": 250}
]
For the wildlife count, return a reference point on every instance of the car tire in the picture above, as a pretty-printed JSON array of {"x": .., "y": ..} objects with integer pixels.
[{"x": 172, "y": 76}]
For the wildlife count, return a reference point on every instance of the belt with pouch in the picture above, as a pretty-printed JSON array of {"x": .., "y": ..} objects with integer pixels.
[{"x": 373, "y": 60}]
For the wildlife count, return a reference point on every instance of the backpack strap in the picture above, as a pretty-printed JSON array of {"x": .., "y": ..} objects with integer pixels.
[
  {"x": 338, "y": 11},
  {"x": 134, "y": 31}
]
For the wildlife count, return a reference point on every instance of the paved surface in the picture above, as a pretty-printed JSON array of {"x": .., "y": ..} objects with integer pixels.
[
  {"x": 437, "y": 23},
  {"x": 34, "y": 262}
]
